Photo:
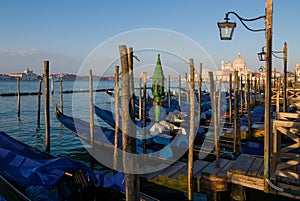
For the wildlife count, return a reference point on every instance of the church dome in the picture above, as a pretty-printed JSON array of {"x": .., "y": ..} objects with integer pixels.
[{"x": 239, "y": 62}]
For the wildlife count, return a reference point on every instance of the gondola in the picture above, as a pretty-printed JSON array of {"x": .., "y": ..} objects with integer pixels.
[
  {"x": 104, "y": 136},
  {"x": 29, "y": 174}
]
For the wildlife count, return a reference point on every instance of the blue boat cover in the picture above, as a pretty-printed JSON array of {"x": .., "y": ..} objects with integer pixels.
[
  {"x": 25, "y": 166},
  {"x": 41, "y": 173}
]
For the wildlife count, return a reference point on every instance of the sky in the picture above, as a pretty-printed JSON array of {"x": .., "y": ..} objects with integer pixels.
[{"x": 70, "y": 34}]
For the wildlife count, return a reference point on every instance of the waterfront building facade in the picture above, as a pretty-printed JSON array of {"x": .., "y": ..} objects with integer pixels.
[{"x": 26, "y": 75}]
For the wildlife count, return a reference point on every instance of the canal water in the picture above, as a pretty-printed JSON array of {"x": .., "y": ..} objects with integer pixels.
[{"x": 63, "y": 142}]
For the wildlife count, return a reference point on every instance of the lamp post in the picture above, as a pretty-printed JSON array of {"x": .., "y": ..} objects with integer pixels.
[
  {"x": 262, "y": 57},
  {"x": 223, "y": 26}
]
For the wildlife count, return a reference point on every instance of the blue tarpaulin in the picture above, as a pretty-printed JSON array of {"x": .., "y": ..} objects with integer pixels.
[{"x": 27, "y": 167}]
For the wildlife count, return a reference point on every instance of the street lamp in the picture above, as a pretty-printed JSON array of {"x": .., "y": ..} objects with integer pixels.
[
  {"x": 226, "y": 28},
  {"x": 267, "y": 121},
  {"x": 262, "y": 55}
]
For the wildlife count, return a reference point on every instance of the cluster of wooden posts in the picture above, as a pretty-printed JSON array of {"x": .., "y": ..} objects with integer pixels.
[{"x": 127, "y": 98}]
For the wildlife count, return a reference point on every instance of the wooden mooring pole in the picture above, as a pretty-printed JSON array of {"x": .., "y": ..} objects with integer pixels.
[
  {"x": 219, "y": 106},
  {"x": 179, "y": 89},
  {"x": 241, "y": 95},
  {"x": 39, "y": 105},
  {"x": 19, "y": 99},
  {"x": 192, "y": 131},
  {"x": 278, "y": 96},
  {"x": 268, "y": 115},
  {"x": 169, "y": 91},
  {"x": 47, "y": 104},
  {"x": 236, "y": 141},
  {"x": 249, "y": 106},
  {"x": 61, "y": 96},
  {"x": 91, "y": 109},
  {"x": 144, "y": 112},
  {"x": 214, "y": 117},
  {"x": 230, "y": 97},
  {"x": 140, "y": 99},
  {"x": 285, "y": 105},
  {"x": 186, "y": 87},
  {"x": 125, "y": 100},
  {"x": 132, "y": 138},
  {"x": 199, "y": 94},
  {"x": 117, "y": 116}
]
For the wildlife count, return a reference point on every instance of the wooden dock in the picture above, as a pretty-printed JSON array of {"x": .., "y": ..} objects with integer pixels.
[{"x": 245, "y": 171}]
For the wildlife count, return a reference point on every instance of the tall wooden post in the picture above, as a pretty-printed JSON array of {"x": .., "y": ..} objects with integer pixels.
[
  {"x": 140, "y": 99},
  {"x": 278, "y": 96},
  {"x": 255, "y": 90},
  {"x": 186, "y": 87},
  {"x": 169, "y": 91},
  {"x": 199, "y": 94},
  {"x": 251, "y": 89},
  {"x": 236, "y": 141},
  {"x": 230, "y": 97},
  {"x": 248, "y": 106},
  {"x": 39, "y": 104},
  {"x": 131, "y": 90},
  {"x": 267, "y": 123},
  {"x": 285, "y": 106},
  {"x": 91, "y": 109},
  {"x": 214, "y": 117},
  {"x": 219, "y": 106},
  {"x": 192, "y": 131},
  {"x": 132, "y": 124},
  {"x": 179, "y": 89},
  {"x": 129, "y": 178},
  {"x": 241, "y": 95},
  {"x": 144, "y": 112},
  {"x": 19, "y": 98},
  {"x": 47, "y": 104},
  {"x": 117, "y": 116},
  {"x": 61, "y": 96}
]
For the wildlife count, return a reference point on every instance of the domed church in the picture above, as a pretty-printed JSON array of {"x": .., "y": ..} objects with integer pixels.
[{"x": 239, "y": 65}]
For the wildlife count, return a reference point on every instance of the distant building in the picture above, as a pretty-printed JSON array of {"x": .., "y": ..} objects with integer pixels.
[
  {"x": 297, "y": 70},
  {"x": 26, "y": 75},
  {"x": 4, "y": 77},
  {"x": 64, "y": 76},
  {"x": 227, "y": 67}
]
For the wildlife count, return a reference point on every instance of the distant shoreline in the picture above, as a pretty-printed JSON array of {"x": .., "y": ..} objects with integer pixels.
[{"x": 68, "y": 77}]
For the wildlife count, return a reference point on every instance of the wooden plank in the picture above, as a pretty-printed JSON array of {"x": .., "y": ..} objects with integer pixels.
[
  {"x": 290, "y": 124},
  {"x": 260, "y": 173},
  {"x": 256, "y": 165},
  {"x": 199, "y": 165},
  {"x": 176, "y": 167},
  {"x": 223, "y": 172},
  {"x": 244, "y": 180},
  {"x": 209, "y": 178},
  {"x": 153, "y": 175},
  {"x": 242, "y": 164},
  {"x": 212, "y": 169},
  {"x": 287, "y": 116}
]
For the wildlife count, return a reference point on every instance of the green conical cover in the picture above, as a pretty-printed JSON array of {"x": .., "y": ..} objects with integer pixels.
[{"x": 158, "y": 79}]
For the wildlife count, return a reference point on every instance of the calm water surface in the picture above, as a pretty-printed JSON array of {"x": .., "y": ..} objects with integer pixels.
[{"x": 63, "y": 142}]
